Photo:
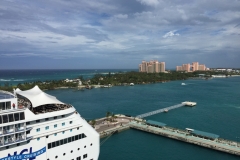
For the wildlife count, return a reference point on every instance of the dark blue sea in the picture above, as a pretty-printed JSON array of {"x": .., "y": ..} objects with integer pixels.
[
  {"x": 13, "y": 77},
  {"x": 217, "y": 111}
]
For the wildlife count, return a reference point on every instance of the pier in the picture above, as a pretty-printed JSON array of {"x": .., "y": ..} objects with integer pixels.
[
  {"x": 215, "y": 143},
  {"x": 187, "y": 103},
  {"x": 106, "y": 128},
  {"x": 114, "y": 130},
  {"x": 192, "y": 136}
]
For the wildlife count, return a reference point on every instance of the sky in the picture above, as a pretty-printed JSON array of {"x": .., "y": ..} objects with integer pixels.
[{"x": 118, "y": 34}]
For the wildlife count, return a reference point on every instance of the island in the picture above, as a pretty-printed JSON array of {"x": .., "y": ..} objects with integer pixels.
[{"x": 115, "y": 79}]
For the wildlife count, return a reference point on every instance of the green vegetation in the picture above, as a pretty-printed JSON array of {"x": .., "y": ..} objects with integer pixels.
[
  {"x": 48, "y": 85},
  {"x": 143, "y": 78},
  {"x": 6, "y": 87},
  {"x": 111, "y": 117},
  {"x": 92, "y": 122},
  {"x": 108, "y": 114},
  {"x": 139, "y": 77},
  {"x": 116, "y": 79}
]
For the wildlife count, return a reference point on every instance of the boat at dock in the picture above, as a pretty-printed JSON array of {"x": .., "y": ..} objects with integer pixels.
[
  {"x": 97, "y": 86},
  {"x": 88, "y": 87},
  {"x": 79, "y": 89},
  {"x": 107, "y": 86}
]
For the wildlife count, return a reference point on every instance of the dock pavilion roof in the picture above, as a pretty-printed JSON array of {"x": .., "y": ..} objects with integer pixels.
[
  {"x": 37, "y": 97},
  {"x": 205, "y": 134},
  {"x": 156, "y": 123}
]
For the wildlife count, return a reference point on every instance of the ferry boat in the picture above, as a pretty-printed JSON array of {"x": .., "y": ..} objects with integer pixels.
[
  {"x": 37, "y": 126},
  {"x": 191, "y": 104}
]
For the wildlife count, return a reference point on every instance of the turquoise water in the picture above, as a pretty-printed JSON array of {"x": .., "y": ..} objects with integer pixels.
[
  {"x": 21, "y": 76},
  {"x": 217, "y": 111}
]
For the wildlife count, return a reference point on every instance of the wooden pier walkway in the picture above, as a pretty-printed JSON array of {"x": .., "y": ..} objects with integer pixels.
[{"x": 187, "y": 103}]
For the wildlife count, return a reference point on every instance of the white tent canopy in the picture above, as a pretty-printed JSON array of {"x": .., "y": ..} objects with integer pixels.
[{"x": 38, "y": 97}]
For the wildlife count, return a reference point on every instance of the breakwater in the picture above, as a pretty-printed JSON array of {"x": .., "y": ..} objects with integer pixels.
[
  {"x": 122, "y": 123},
  {"x": 219, "y": 144},
  {"x": 113, "y": 130},
  {"x": 112, "y": 124}
]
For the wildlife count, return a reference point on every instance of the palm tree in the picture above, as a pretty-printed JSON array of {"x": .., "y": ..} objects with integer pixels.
[
  {"x": 93, "y": 122},
  {"x": 108, "y": 114},
  {"x": 113, "y": 117}
]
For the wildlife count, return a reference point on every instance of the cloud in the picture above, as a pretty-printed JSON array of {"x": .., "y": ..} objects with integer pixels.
[
  {"x": 171, "y": 34},
  {"x": 123, "y": 16},
  {"x": 149, "y": 2},
  {"x": 21, "y": 54},
  {"x": 120, "y": 30}
]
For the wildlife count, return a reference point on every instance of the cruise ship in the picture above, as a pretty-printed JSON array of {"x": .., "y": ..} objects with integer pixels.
[{"x": 37, "y": 126}]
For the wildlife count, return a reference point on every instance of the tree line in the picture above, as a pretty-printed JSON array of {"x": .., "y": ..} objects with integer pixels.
[
  {"x": 142, "y": 77},
  {"x": 47, "y": 85},
  {"x": 114, "y": 79}
]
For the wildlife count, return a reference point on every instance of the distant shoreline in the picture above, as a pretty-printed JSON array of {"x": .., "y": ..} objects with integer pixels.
[
  {"x": 84, "y": 86},
  {"x": 115, "y": 79}
]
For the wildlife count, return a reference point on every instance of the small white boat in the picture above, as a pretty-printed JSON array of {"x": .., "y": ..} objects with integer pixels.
[
  {"x": 97, "y": 86},
  {"x": 187, "y": 103},
  {"x": 107, "y": 86},
  {"x": 131, "y": 84},
  {"x": 165, "y": 110},
  {"x": 183, "y": 84}
]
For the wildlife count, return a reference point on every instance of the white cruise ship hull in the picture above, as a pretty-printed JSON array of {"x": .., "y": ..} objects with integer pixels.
[{"x": 62, "y": 135}]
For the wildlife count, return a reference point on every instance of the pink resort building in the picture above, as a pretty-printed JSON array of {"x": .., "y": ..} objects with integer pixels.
[
  {"x": 191, "y": 68},
  {"x": 152, "y": 66}
]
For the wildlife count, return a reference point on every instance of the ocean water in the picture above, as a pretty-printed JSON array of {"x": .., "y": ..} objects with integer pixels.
[
  {"x": 21, "y": 76},
  {"x": 217, "y": 111}
]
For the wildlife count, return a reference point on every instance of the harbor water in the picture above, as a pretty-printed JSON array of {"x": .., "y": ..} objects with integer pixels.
[
  {"x": 13, "y": 77},
  {"x": 217, "y": 111}
]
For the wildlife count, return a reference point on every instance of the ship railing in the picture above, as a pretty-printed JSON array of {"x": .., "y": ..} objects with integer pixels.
[
  {"x": 1, "y": 141},
  {"x": 20, "y": 138},
  {"x": 13, "y": 140},
  {"x": 17, "y": 129},
  {"x": 7, "y": 131},
  {"x": 8, "y": 140},
  {"x": 12, "y": 130},
  {"x": 9, "y": 94},
  {"x": 5, "y": 96}
]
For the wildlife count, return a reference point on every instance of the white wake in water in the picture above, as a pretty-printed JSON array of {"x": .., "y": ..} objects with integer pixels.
[{"x": 7, "y": 80}]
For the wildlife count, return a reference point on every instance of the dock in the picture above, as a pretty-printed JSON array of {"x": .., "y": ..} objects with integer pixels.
[
  {"x": 106, "y": 128},
  {"x": 113, "y": 130},
  {"x": 192, "y": 136},
  {"x": 215, "y": 143},
  {"x": 186, "y": 103}
]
